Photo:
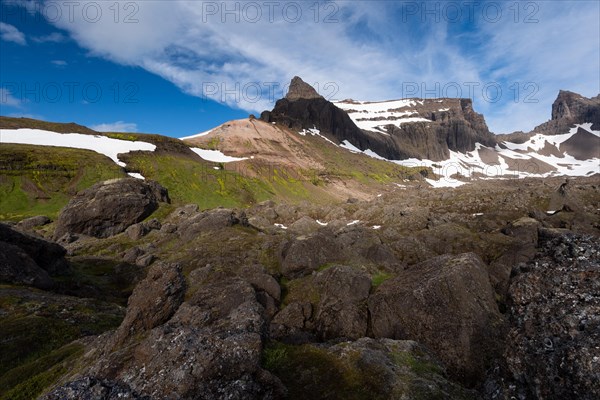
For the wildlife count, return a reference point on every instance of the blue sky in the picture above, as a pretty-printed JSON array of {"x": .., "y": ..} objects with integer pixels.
[{"x": 183, "y": 67}]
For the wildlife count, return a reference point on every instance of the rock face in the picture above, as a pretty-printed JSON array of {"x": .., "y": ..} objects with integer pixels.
[
  {"x": 209, "y": 344},
  {"x": 450, "y": 124},
  {"x": 29, "y": 260},
  {"x": 108, "y": 208},
  {"x": 301, "y": 90},
  {"x": 568, "y": 109},
  {"x": 363, "y": 369},
  {"x": 447, "y": 304},
  {"x": 552, "y": 350}
]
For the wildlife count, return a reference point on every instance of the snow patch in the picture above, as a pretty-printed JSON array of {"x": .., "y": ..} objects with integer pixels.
[
  {"x": 322, "y": 223},
  {"x": 136, "y": 175},
  {"x": 281, "y": 226},
  {"x": 356, "y": 221},
  {"x": 100, "y": 144},
  {"x": 216, "y": 155},
  {"x": 376, "y": 227}
]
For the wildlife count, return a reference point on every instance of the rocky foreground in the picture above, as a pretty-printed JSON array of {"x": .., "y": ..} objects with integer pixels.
[{"x": 490, "y": 290}]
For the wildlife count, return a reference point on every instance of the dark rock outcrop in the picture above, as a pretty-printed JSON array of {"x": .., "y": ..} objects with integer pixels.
[
  {"x": 89, "y": 388},
  {"x": 301, "y": 90},
  {"x": 458, "y": 127},
  {"x": 364, "y": 369},
  {"x": 208, "y": 346},
  {"x": 29, "y": 260},
  {"x": 447, "y": 304},
  {"x": 552, "y": 349},
  {"x": 108, "y": 208}
]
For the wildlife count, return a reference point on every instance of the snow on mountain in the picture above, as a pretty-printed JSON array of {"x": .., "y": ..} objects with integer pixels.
[
  {"x": 373, "y": 116},
  {"x": 215, "y": 155},
  {"x": 540, "y": 156},
  {"x": 100, "y": 144}
]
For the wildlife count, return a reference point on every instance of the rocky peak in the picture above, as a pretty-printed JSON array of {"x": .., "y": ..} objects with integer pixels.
[
  {"x": 568, "y": 109},
  {"x": 301, "y": 90}
]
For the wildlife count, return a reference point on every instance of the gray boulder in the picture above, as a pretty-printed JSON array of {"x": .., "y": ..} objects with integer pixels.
[{"x": 108, "y": 208}]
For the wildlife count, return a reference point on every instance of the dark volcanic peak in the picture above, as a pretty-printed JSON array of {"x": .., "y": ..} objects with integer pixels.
[
  {"x": 301, "y": 90},
  {"x": 568, "y": 109}
]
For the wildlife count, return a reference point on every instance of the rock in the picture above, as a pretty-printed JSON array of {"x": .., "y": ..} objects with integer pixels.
[
  {"x": 552, "y": 348},
  {"x": 108, "y": 208},
  {"x": 304, "y": 226},
  {"x": 210, "y": 344},
  {"x": 47, "y": 255},
  {"x": 145, "y": 260},
  {"x": 137, "y": 231},
  {"x": 447, "y": 304},
  {"x": 165, "y": 287},
  {"x": 33, "y": 222},
  {"x": 210, "y": 220},
  {"x": 18, "y": 268},
  {"x": 293, "y": 324},
  {"x": 89, "y": 388},
  {"x": 168, "y": 228},
  {"x": 303, "y": 255},
  {"x": 366, "y": 368},
  {"x": 342, "y": 309},
  {"x": 301, "y": 90}
]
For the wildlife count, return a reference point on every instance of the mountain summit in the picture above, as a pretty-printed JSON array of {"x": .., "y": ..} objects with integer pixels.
[{"x": 301, "y": 90}]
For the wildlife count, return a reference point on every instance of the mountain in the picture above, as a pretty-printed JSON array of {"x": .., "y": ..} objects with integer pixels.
[{"x": 448, "y": 136}]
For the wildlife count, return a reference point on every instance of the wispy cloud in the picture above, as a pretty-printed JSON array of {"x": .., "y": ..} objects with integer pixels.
[
  {"x": 54, "y": 37},
  {"x": 60, "y": 63},
  {"x": 10, "y": 33},
  {"x": 7, "y": 98},
  {"x": 119, "y": 126},
  {"x": 243, "y": 56}
]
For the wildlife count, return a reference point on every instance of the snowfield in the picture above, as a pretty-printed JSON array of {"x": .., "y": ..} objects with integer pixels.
[
  {"x": 100, "y": 144},
  {"x": 374, "y": 116},
  {"x": 215, "y": 155}
]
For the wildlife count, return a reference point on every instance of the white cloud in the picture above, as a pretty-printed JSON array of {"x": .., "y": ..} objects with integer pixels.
[
  {"x": 54, "y": 37},
  {"x": 59, "y": 63},
  {"x": 10, "y": 33},
  {"x": 119, "y": 126},
  {"x": 370, "y": 53},
  {"x": 7, "y": 98}
]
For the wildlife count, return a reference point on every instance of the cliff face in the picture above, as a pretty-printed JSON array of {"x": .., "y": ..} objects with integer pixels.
[
  {"x": 398, "y": 129},
  {"x": 571, "y": 108}
]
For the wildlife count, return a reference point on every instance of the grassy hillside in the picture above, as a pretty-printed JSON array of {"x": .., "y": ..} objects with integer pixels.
[{"x": 39, "y": 180}]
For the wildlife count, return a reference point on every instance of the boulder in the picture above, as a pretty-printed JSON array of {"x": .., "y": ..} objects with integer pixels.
[
  {"x": 165, "y": 285},
  {"x": 342, "y": 310},
  {"x": 552, "y": 347},
  {"x": 108, "y": 208},
  {"x": 363, "y": 369},
  {"x": 47, "y": 255},
  {"x": 89, "y": 388},
  {"x": 303, "y": 255},
  {"x": 209, "y": 346},
  {"x": 33, "y": 222},
  {"x": 17, "y": 267},
  {"x": 446, "y": 303}
]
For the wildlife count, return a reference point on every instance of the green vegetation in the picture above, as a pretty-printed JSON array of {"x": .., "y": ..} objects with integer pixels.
[
  {"x": 379, "y": 278},
  {"x": 39, "y": 180},
  {"x": 29, "y": 380}
]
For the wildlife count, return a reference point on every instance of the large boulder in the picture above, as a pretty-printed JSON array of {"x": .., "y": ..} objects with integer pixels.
[
  {"x": 108, "y": 208},
  {"x": 363, "y": 369},
  {"x": 29, "y": 260},
  {"x": 305, "y": 254},
  {"x": 446, "y": 303},
  {"x": 165, "y": 285},
  {"x": 552, "y": 348},
  {"x": 342, "y": 309},
  {"x": 207, "y": 347}
]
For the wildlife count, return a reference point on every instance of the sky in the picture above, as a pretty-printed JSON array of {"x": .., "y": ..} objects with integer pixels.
[{"x": 182, "y": 67}]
